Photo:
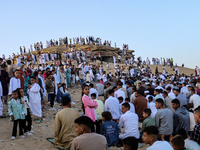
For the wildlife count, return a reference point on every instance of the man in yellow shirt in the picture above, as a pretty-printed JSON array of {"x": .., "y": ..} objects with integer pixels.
[{"x": 64, "y": 126}]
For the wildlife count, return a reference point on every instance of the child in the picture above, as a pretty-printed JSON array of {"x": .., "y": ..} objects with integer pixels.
[
  {"x": 49, "y": 85},
  {"x": 26, "y": 104},
  {"x": 152, "y": 106},
  {"x": 132, "y": 107},
  {"x": 89, "y": 105},
  {"x": 189, "y": 144},
  {"x": 14, "y": 82},
  {"x": 178, "y": 143},
  {"x": 17, "y": 114},
  {"x": 102, "y": 81},
  {"x": 148, "y": 121},
  {"x": 100, "y": 107},
  {"x": 35, "y": 98},
  {"x": 99, "y": 110},
  {"x": 109, "y": 129}
]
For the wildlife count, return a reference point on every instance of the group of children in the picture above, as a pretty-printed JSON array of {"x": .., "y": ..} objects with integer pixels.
[
  {"x": 20, "y": 107},
  {"x": 20, "y": 113}
]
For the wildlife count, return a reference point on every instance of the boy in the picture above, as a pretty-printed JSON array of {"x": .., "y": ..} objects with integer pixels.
[
  {"x": 99, "y": 110},
  {"x": 189, "y": 144},
  {"x": 148, "y": 121},
  {"x": 49, "y": 86},
  {"x": 178, "y": 143},
  {"x": 109, "y": 129},
  {"x": 17, "y": 114},
  {"x": 14, "y": 82},
  {"x": 100, "y": 107}
]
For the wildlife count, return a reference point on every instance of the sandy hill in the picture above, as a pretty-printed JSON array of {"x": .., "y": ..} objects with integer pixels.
[{"x": 107, "y": 54}]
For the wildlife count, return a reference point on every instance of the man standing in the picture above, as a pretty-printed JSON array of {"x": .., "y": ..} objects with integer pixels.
[
  {"x": 81, "y": 76},
  {"x": 129, "y": 89},
  {"x": 64, "y": 126},
  {"x": 87, "y": 140},
  {"x": 11, "y": 69},
  {"x": 108, "y": 88},
  {"x": 100, "y": 88}
]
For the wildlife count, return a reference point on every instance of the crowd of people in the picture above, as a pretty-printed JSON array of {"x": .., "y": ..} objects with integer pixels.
[
  {"x": 137, "y": 106},
  {"x": 156, "y": 61},
  {"x": 72, "y": 41}
]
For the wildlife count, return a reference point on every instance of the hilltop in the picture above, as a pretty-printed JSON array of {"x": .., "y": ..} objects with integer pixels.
[{"x": 107, "y": 54}]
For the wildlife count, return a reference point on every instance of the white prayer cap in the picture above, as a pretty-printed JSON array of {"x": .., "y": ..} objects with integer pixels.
[
  {"x": 144, "y": 80},
  {"x": 146, "y": 91},
  {"x": 188, "y": 85},
  {"x": 87, "y": 84}
]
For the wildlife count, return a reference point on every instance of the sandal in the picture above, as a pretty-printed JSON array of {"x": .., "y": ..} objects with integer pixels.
[{"x": 38, "y": 121}]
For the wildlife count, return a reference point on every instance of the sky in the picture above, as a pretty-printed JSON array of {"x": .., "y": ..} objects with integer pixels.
[{"x": 153, "y": 28}]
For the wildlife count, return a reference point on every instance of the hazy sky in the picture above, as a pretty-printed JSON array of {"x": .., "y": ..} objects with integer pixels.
[{"x": 153, "y": 28}]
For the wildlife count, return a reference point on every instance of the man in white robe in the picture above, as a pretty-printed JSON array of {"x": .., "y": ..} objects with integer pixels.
[
  {"x": 52, "y": 56},
  {"x": 35, "y": 99}
]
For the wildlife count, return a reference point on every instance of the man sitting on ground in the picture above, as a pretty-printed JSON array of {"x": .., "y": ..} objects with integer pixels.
[
  {"x": 64, "y": 127},
  {"x": 129, "y": 120},
  {"x": 164, "y": 120},
  {"x": 87, "y": 140},
  {"x": 181, "y": 117},
  {"x": 150, "y": 135}
]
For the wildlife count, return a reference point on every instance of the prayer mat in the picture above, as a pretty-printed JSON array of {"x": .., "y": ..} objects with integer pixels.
[{"x": 51, "y": 140}]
